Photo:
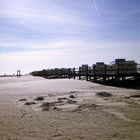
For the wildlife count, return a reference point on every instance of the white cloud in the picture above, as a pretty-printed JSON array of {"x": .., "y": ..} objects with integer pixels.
[{"x": 35, "y": 13}]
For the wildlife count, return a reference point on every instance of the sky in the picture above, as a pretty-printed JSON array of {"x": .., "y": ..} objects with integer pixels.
[{"x": 42, "y": 34}]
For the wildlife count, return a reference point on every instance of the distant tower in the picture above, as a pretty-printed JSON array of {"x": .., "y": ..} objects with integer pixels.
[{"x": 18, "y": 73}]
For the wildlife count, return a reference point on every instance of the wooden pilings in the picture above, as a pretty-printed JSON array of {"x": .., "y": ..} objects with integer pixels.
[
  {"x": 74, "y": 75},
  {"x": 94, "y": 70},
  {"x": 104, "y": 77},
  {"x": 79, "y": 73},
  {"x": 97, "y": 74},
  {"x": 69, "y": 73},
  {"x": 87, "y": 75}
]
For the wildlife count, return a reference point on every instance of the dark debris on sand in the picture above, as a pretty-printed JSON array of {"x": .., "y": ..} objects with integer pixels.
[
  {"x": 41, "y": 98},
  {"x": 72, "y": 96},
  {"x": 62, "y": 98},
  {"x": 22, "y": 99},
  {"x": 135, "y": 96},
  {"x": 30, "y": 103},
  {"x": 50, "y": 108},
  {"x": 86, "y": 107},
  {"x": 71, "y": 101},
  {"x": 47, "y": 106},
  {"x": 104, "y": 94}
]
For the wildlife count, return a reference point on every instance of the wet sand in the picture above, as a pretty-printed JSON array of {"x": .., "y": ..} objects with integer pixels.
[{"x": 72, "y": 110}]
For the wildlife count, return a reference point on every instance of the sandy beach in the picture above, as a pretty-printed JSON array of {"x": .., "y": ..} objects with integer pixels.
[{"x": 35, "y": 108}]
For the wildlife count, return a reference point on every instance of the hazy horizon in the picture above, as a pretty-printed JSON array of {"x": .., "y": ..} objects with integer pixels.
[{"x": 36, "y": 35}]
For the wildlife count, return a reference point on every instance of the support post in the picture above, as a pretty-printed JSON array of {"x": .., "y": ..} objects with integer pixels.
[
  {"x": 74, "y": 73},
  {"x": 69, "y": 73},
  {"x": 87, "y": 73},
  {"x": 104, "y": 78},
  {"x": 118, "y": 72},
  {"x": 79, "y": 73},
  {"x": 94, "y": 72}
]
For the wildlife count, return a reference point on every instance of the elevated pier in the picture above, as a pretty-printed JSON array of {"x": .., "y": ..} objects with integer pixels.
[{"x": 99, "y": 72}]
